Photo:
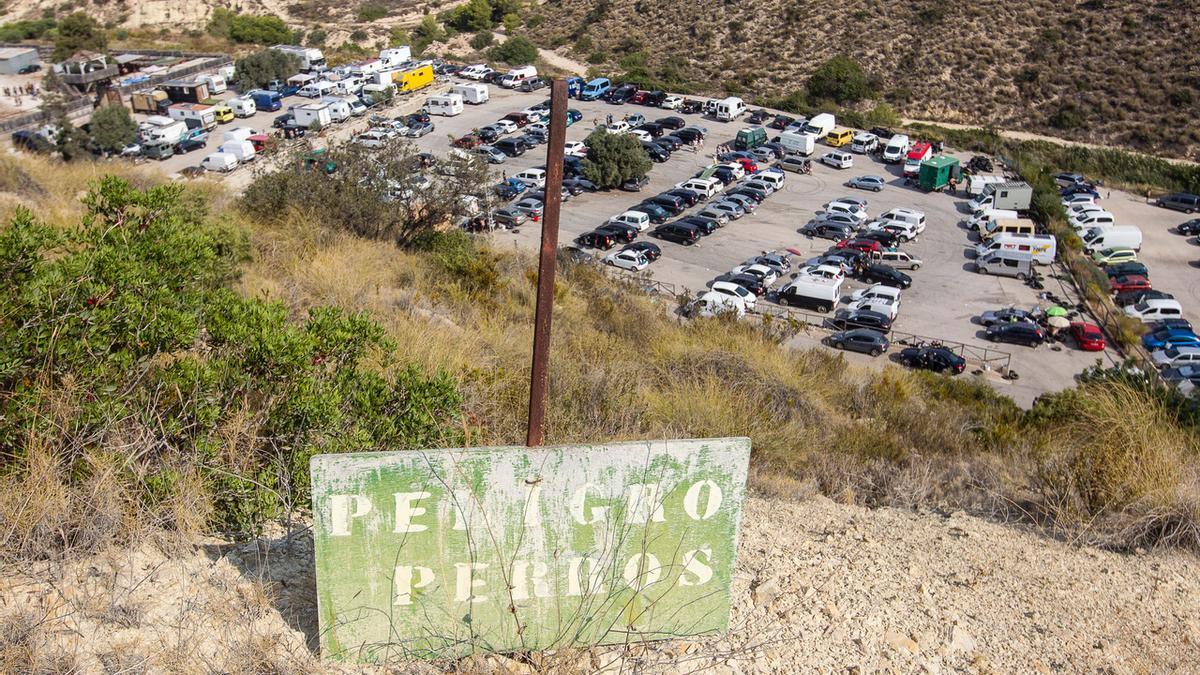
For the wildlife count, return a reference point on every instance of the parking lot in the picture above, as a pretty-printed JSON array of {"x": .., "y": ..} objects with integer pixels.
[{"x": 946, "y": 294}]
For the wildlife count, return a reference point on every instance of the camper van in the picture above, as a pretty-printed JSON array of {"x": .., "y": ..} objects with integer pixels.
[
  {"x": 896, "y": 148},
  {"x": 1007, "y": 226},
  {"x": 518, "y": 75},
  {"x": 395, "y": 56},
  {"x": 318, "y": 89},
  {"x": 730, "y": 109},
  {"x": 1040, "y": 247},
  {"x": 796, "y": 143},
  {"x": 339, "y": 109},
  {"x": 311, "y": 59},
  {"x": 1005, "y": 263},
  {"x": 216, "y": 83},
  {"x": 979, "y": 222},
  {"x": 473, "y": 94},
  {"x": 202, "y": 115},
  {"x": 444, "y": 104},
  {"x": 242, "y": 106}
]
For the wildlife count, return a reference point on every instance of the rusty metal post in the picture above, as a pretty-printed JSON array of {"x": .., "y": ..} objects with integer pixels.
[{"x": 546, "y": 261}]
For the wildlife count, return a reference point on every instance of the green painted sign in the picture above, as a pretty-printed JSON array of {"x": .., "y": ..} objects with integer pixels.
[{"x": 430, "y": 554}]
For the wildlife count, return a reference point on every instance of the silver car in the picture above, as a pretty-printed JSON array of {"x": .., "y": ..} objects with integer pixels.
[
  {"x": 872, "y": 183},
  {"x": 490, "y": 153},
  {"x": 731, "y": 209},
  {"x": 748, "y": 205},
  {"x": 839, "y": 219}
]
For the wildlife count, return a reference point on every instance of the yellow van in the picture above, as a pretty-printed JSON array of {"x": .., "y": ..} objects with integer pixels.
[
  {"x": 1001, "y": 226},
  {"x": 839, "y": 137},
  {"x": 223, "y": 113}
]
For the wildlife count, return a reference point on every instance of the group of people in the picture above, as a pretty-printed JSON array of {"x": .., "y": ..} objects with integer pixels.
[{"x": 16, "y": 93}]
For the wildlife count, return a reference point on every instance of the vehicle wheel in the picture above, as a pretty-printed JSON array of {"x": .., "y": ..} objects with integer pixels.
[
  {"x": 784, "y": 302},
  {"x": 916, "y": 267},
  {"x": 824, "y": 308},
  {"x": 875, "y": 352},
  {"x": 981, "y": 270},
  {"x": 878, "y": 189},
  {"x": 1021, "y": 276}
]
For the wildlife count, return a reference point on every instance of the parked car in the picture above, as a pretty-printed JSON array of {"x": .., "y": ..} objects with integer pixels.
[
  {"x": 838, "y": 159},
  {"x": 872, "y": 183},
  {"x": 847, "y": 319},
  {"x": 678, "y": 233},
  {"x": 866, "y": 245},
  {"x": 1129, "y": 282},
  {"x": 635, "y": 184},
  {"x": 1126, "y": 268},
  {"x": 509, "y": 217},
  {"x": 886, "y": 239},
  {"x": 596, "y": 239},
  {"x": 1179, "y": 201},
  {"x": 579, "y": 185},
  {"x": 189, "y": 144},
  {"x": 1006, "y": 315},
  {"x": 628, "y": 260},
  {"x": 1165, "y": 338},
  {"x": 1176, "y": 356},
  {"x": 834, "y": 231},
  {"x": 750, "y": 282},
  {"x": 1088, "y": 336},
  {"x": 883, "y": 274},
  {"x": 1110, "y": 256},
  {"x": 736, "y": 290},
  {"x": 650, "y": 250},
  {"x": 671, "y": 122},
  {"x": 864, "y": 340},
  {"x": 1189, "y": 227},
  {"x": 1025, "y": 333},
  {"x": 491, "y": 154},
  {"x": 937, "y": 359},
  {"x": 1132, "y": 297},
  {"x": 706, "y": 225}
]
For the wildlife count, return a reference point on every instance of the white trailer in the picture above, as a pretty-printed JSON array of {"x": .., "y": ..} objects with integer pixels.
[
  {"x": 242, "y": 106},
  {"x": 313, "y": 114},
  {"x": 203, "y": 115},
  {"x": 216, "y": 83},
  {"x": 159, "y": 130},
  {"x": 444, "y": 104},
  {"x": 475, "y": 94},
  {"x": 796, "y": 143},
  {"x": 339, "y": 109},
  {"x": 311, "y": 58},
  {"x": 396, "y": 56}
]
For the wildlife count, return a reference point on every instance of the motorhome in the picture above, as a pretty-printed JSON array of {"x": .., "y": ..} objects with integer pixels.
[
  {"x": 317, "y": 89},
  {"x": 356, "y": 105},
  {"x": 310, "y": 58},
  {"x": 216, "y": 83},
  {"x": 730, "y": 109},
  {"x": 919, "y": 153},
  {"x": 159, "y": 130},
  {"x": 796, "y": 143},
  {"x": 977, "y": 183},
  {"x": 339, "y": 108},
  {"x": 203, "y": 115},
  {"x": 395, "y": 56},
  {"x": 444, "y": 104},
  {"x": 473, "y": 94},
  {"x": 895, "y": 150},
  {"x": 242, "y": 106},
  {"x": 1041, "y": 247},
  {"x": 237, "y": 134}
]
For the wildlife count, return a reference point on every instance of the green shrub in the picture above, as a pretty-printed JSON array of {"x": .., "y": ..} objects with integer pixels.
[
  {"x": 482, "y": 40},
  {"x": 839, "y": 79},
  {"x": 372, "y": 12},
  {"x": 613, "y": 159},
  {"x": 516, "y": 51}
]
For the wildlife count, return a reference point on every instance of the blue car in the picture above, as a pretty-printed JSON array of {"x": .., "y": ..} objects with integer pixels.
[{"x": 1170, "y": 337}]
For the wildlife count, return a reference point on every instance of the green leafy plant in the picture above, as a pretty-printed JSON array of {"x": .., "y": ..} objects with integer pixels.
[{"x": 613, "y": 159}]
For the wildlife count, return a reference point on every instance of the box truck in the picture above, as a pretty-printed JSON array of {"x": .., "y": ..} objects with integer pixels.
[
  {"x": 150, "y": 101},
  {"x": 310, "y": 58},
  {"x": 797, "y": 143},
  {"x": 473, "y": 94},
  {"x": 1014, "y": 196},
  {"x": 412, "y": 80}
]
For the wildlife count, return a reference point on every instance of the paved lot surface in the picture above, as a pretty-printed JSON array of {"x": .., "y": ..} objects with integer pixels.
[{"x": 946, "y": 293}]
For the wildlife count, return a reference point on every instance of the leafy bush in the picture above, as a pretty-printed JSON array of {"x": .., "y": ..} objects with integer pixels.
[
  {"x": 516, "y": 51},
  {"x": 78, "y": 32},
  {"x": 249, "y": 29},
  {"x": 122, "y": 334},
  {"x": 613, "y": 159},
  {"x": 482, "y": 40},
  {"x": 113, "y": 127},
  {"x": 840, "y": 79},
  {"x": 26, "y": 30},
  {"x": 259, "y": 69},
  {"x": 372, "y": 12}
]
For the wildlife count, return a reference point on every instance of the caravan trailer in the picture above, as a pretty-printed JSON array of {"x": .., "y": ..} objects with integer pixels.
[
  {"x": 473, "y": 94},
  {"x": 444, "y": 104}
]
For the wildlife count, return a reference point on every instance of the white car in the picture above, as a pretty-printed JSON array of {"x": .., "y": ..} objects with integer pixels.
[
  {"x": 627, "y": 260},
  {"x": 540, "y": 126},
  {"x": 1157, "y": 309},
  {"x": 1173, "y": 357},
  {"x": 617, "y": 127},
  {"x": 732, "y": 210},
  {"x": 1078, "y": 200},
  {"x": 889, "y": 307},
  {"x": 643, "y": 136},
  {"x": 837, "y": 273},
  {"x": 853, "y": 210},
  {"x": 876, "y": 291},
  {"x": 903, "y": 231},
  {"x": 672, "y": 102},
  {"x": 763, "y": 272},
  {"x": 575, "y": 149},
  {"x": 735, "y": 290},
  {"x": 739, "y": 172},
  {"x": 509, "y": 126},
  {"x": 372, "y": 139},
  {"x": 713, "y": 303},
  {"x": 838, "y": 159}
]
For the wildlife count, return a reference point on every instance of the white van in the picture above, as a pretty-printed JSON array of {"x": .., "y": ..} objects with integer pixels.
[
  {"x": 864, "y": 142},
  {"x": 237, "y": 134},
  {"x": 1007, "y": 226},
  {"x": 518, "y": 75},
  {"x": 1005, "y": 264},
  {"x": 339, "y": 109},
  {"x": 896, "y": 149},
  {"x": 221, "y": 162},
  {"x": 533, "y": 177},
  {"x": 1156, "y": 309},
  {"x": 1041, "y": 247},
  {"x": 635, "y": 218},
  {"x": 1090, "y": 219},
  {"x": 444, "y": 104},
  {"x": 730, "y": 109},
  {"x": 979, "y": 222},
  {"x": 357, "y": 108},
  {"x": 708, "y": 187},
  {"x": 821, "y": 125},
  {"x": 318, "y": 89},
  {"x": 772, "y": 177},
  {"x": 242, "y": 150},
  {"x": 474, "y": 94},
  {"x": 797, "y": 143},
  {"x": 911, "y": 217},
  {"x": 1119, "y": 236},
  {"x": 242, "y": 106}
]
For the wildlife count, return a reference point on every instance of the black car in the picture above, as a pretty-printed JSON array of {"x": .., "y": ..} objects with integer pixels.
[
  {"x": 1133, "y": 297},
  {"x": 648, "y": 249},
  {"x": 759, "y": 116},
  {"x": 654, "y": 98},
  {"x": 724, "y": 174},
  {"x": 689, "y": 135},
  {"x": 886, "y": 275},
  {"x": 493, "y": 77},
  {"x": 655, "y": 130},
  {"x": 1189, "y": 227},
  {"x": 678, "y": 233},
  {"x": 834, "y": 231},
  {"x": 513, "y": 147},
  {"x": 33, "y": 142},
  {"x": 674, "y": 205},
  {"x": 31, "y": 68},
  {"x": 776, "y": 148},
  {"x": 751, "y": 193},
  {"x": 1121, "y": 269},
  {"x": 848, "y": 319},
  {"x": 886, "y": 239},
  {"x": 578, "y": 184},
  {"x": 671, "y": 122},
  {"x": 532, "y": 84},
  {"x": 689, "y": 197},
  {"x": 1023, "y": 333},
  {"x": 596, "y": 239},
  {"x": 621, "y": 94},
  {"x": 937, "y": 359},
  {"x": 283, "y": 120},
  {"x": 706, "y": 225},
  {"x": 670, "y": 142},
  {"x": 415, "y": 118},
  {"x": 864, "y": 340},
  {"x": 620, "y": 232},
  {"x": 882, "y": 132},
  {"x": 487, "y": 134},
  {"x": 573, "y": 168},
  {"x": 749, "y": 282},
  {"x": 189, "y": 144},
  {"x": 656, "y": 212},
  {"x": 635, "y": 184},
  {"x": 781, "y": 122},
  {"x": 656, "y": 153}
]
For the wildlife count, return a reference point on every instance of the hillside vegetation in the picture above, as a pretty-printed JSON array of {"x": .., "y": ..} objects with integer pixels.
[{"x": 1117, "y": 71}]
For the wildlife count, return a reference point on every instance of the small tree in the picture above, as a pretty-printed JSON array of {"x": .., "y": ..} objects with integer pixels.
[
  {"x": 517, "y": 51},
  {"x": 78, "y": 32},
  {"x": 260, "y": 68},
  {"x": 475, "y": 15},
  {"x": 840, "y": 79},
  {"x": 613, "y": 159},
  {"x": 113, "y": 128},
  {"x": 482, "y": 40}
]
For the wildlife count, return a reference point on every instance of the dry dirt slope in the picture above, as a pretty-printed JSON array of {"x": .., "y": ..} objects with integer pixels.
[
  {"x": 1118, "y": 71},
  {"x": 821, "y": 587}
]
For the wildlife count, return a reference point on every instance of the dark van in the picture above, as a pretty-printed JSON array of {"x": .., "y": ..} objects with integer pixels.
[
  {"x": 513, "y": 147},
  {"x": 678, "y": 233},
  {"x": 1180, "y": 201}
]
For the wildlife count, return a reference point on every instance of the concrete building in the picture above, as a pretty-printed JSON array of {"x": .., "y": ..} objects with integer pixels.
[{"x": 13, "y": 59}]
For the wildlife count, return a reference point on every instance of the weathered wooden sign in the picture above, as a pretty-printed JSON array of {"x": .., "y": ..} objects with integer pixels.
[{"x": 439, "y": 553}]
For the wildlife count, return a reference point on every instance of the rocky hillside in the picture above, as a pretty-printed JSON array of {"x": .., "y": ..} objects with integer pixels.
[
  {"x": 833, "y": 588},
  {"x": 1117, "y": 71}
]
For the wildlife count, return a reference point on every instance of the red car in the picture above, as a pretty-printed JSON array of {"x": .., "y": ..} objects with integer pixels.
[
  {"x": 1130, "y": 282},
  {"x": 638, "y": 96},
  {"x": 468, "y": 142},
  {"x": 864, "y": 245},
  {"x": 748, "y": 165},
  {"x": 1088, "y": 336},
  {"x": 517, "y": 118}
]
